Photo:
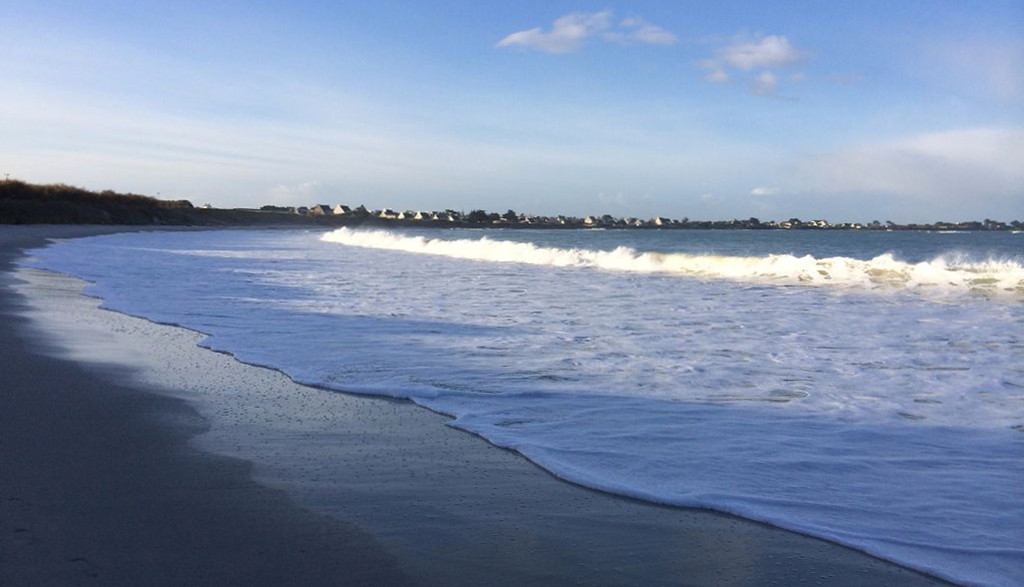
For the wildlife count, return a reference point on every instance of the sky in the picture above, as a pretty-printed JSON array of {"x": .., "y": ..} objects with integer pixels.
[{"x": 851, "y": 111}]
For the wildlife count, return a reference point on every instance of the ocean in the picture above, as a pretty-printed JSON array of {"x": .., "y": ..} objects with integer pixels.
[{"x": 862, "y": 387}]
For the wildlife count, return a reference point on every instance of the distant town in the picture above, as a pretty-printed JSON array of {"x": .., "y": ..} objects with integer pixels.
[
  {"x": 26, "y": 203},
  {"x": 509, "y": 219}
]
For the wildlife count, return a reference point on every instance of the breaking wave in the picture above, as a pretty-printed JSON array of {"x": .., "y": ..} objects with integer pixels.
[{"x": 1005, "y": 277}]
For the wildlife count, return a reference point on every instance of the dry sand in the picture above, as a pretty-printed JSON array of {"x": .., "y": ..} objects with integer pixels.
[{"x": 129, "y": 456}]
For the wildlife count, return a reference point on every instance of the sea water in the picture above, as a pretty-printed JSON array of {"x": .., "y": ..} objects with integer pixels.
[{"x": 866, "y": 388}]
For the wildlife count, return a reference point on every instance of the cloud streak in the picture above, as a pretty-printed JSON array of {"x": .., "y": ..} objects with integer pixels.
[{"x": 568, "y": 33}]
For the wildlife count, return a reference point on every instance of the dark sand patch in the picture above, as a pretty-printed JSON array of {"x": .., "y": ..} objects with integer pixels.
[{"x": 99, "y": 485}]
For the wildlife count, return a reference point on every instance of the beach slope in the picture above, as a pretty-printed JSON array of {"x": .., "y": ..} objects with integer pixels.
[{"x": 99, "y": 485}]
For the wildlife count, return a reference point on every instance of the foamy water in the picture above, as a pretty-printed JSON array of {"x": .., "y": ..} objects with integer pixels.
[
  {"x": 885, "y": 412},
  {"x": 953, "y": 272}
]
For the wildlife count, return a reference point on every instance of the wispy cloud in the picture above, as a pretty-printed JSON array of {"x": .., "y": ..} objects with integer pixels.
[
  {"x": 764, "y": 191},
  {"x": 765, "y": 84},
  {"x": 992, "y": 66},
  {"x": 717, "y": 76},
  {"x": 568, "y": 33},
  {"x": 766, "y": 52},
  {"x": 303, "y": 192},
  {"x": 982, "y": 165},
  {"x": 755, "y": 60},
  {"x": 637, "y": 30}
]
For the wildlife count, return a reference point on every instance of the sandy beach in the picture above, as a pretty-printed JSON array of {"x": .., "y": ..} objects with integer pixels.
[{"x": 158, "y": 462}]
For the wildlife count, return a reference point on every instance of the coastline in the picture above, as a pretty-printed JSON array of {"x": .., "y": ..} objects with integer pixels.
[
  {"x": 26, "y": 203},
  {"x": 437, "y": 503}
]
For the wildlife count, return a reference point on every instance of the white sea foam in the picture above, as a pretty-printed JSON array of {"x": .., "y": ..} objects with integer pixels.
[
  {"x": 885, "y": 422},
  {"x": 883, "y": 271}
]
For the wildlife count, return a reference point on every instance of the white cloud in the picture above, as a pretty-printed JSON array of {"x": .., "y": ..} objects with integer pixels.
[
  {"x": 569, "y": 32},
  {"x": 764, "y": 191},
  {"x": 755, "y": 60},
  {"x": 763, "y": 53},
  {"x": 965, "y": 167},
  {"x": 765, "y": 84},
  {"x": 641, "y": 31}
]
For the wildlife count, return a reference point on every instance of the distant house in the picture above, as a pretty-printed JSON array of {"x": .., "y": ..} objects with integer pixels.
[
  {"x": 444, "y": 217},
  {"x": 661, "y": 221},
  {"x": 407, "y": 215},
  {"x": 423, "y": 216},
  {"x": 320, "y": 210},
  {"x": 605, "y": 220},
  {"x": 387, "y": 214},
  {"x": 302, "y": 210},
  {"x": 342, "y": 210}
]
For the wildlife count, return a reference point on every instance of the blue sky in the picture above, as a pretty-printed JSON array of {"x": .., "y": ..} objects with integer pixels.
[{"x": 849, "y": 111}]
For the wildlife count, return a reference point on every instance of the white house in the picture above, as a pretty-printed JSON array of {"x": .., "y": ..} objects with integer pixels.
[{"x": 342, "y": 210}]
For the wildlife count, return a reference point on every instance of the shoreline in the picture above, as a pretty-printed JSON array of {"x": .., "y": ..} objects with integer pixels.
[
  {"x": 491, "y": 512},
  {"x": 101, "y": 485}
]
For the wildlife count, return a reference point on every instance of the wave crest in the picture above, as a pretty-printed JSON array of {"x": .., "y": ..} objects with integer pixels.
[{"x": 884, "y": 271}]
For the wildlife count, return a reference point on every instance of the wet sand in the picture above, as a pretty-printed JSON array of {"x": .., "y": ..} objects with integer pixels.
[
  {"x": 157, "y": 462},
  {"x": 100, "y": 487}
]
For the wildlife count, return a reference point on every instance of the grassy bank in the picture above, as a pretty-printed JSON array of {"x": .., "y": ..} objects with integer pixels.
[{"x": 25, "y": 203}]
